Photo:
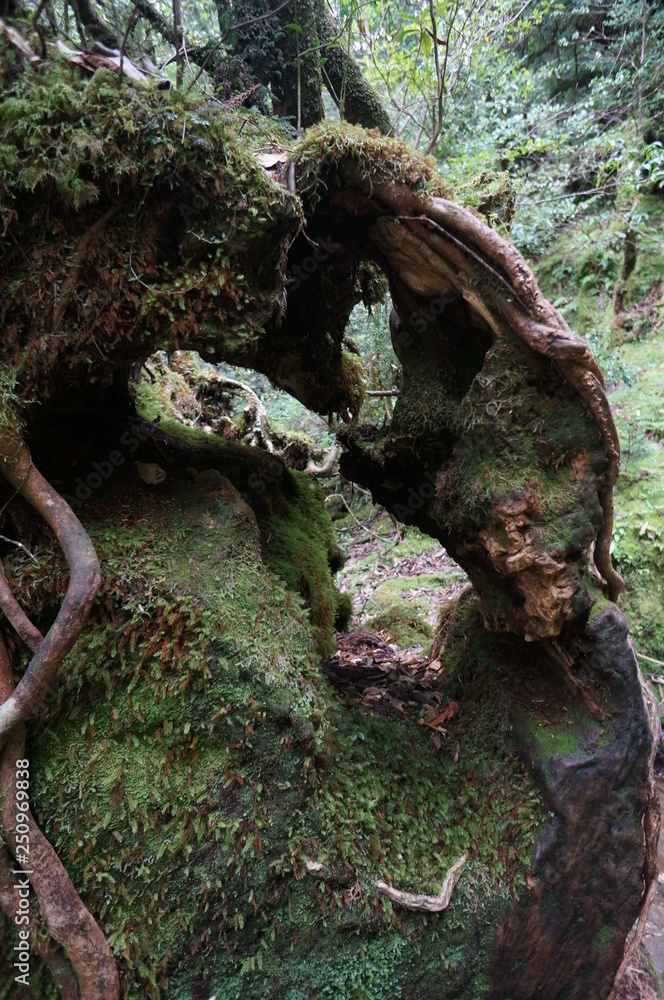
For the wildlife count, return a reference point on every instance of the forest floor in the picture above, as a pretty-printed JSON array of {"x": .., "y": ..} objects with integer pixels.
[{"x": 401, "y": 582}]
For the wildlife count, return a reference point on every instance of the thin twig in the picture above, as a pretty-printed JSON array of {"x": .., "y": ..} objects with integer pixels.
[
  {"x": 130, "y": 24},
  {"x": 20, "y": 545},
  {"x": 359, "y": 523},
  {"x": 650, "y": 659}
]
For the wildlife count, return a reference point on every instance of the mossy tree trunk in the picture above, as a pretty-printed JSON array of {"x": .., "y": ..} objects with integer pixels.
[
  {"x": 356, "y": 99},
  {"x": 191, "y": 733}
]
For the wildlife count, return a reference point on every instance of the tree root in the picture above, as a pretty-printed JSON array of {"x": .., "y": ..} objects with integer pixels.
[
  {"x": 16, "y": 466},
  {"x": 216, "y": 382},
  {"x": 68, "y": 920},
  {"x": 427, "y": 904},
  {"x": 651, "y": 823},
  {"x": 14, "y": 613},
  {"x": 52, "y": 956},
  {"x": 328, "y": 465},
  {"x": 467, "y": 249}
]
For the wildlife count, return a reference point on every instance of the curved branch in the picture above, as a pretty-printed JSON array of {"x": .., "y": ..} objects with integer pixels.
[
  {"x": 328, "y": 465},
  {"x": 54, "y": 958},
  {"x": 426, "y": 904},
  {"x": 69, "y": 921},
  {"x": 17, "y": 617},
  {"x": 16, "y": 466},
  {"x": 466, "y": 243}
]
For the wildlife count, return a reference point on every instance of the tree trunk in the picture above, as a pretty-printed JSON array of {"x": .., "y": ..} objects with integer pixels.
[
  {"x": 356, "y": 99},
  {"x": 211, "y": 798}
]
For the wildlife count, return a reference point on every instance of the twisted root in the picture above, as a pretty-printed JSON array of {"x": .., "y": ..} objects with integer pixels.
[
  {"x": 465, "y": 248},
  {"x": 69, "y": 922}
]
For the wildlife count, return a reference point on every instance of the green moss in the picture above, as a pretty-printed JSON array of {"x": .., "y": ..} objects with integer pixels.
[
  {"x": 343, "y": 612},
  {"x": 324, "y": 148},
  {"x": 165, "y": 200},
  {"x": 491, "y": 196},
  {"x": 402, "y": 623},
  {"x": 296, "y": 532},
  {"x": 604, "y": 937},
  {"x": 301, "y": 547},
  {"x": 193, "y": 759}
]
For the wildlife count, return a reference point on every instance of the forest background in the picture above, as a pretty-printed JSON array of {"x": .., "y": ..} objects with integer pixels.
[
  {"x": 555, "y": 107},
  {"x": 565, "y": 99}
]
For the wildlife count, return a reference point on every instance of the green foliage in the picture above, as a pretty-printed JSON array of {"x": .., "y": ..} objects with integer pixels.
[{"x": 579, "y": 275}]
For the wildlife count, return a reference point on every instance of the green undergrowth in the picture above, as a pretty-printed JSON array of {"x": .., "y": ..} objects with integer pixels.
[
  {"x": 579, "y": 274},
  {"x": 638, "y": 537},
  {"x": 193, "y": 759}
]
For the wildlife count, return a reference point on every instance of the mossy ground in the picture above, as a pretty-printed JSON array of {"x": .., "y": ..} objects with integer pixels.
[{"x": 193, "y": 759}]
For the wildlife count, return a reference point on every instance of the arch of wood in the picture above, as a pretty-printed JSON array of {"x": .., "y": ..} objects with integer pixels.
[{"x": 431, "y": 249}]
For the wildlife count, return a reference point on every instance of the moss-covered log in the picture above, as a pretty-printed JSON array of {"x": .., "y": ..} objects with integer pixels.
[{"x": 193, "y": 759}]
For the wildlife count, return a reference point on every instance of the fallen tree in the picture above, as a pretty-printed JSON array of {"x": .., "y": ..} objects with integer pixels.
[{"x": 136, "y": 222}]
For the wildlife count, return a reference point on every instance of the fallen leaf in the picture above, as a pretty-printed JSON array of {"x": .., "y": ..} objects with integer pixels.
[{"x": 433, "y": 721}]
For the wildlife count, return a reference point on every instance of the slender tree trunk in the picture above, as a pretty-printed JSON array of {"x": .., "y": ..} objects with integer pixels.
[
  {"x": 628, "y": 265},
  {"x": 358, "y": 102},
  {"x": 178, "y": 30}
]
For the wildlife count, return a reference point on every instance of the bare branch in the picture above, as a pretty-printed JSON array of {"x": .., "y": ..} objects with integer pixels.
[
  {"x": 420, "y": 902},
  {"x": 16, "y": 466}
]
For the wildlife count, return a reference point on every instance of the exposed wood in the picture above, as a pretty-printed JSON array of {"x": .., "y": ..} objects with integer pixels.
[{"x": 420, "y": 902}]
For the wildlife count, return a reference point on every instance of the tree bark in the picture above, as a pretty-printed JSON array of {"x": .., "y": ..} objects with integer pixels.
[{"x": 356, "y": 99}]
